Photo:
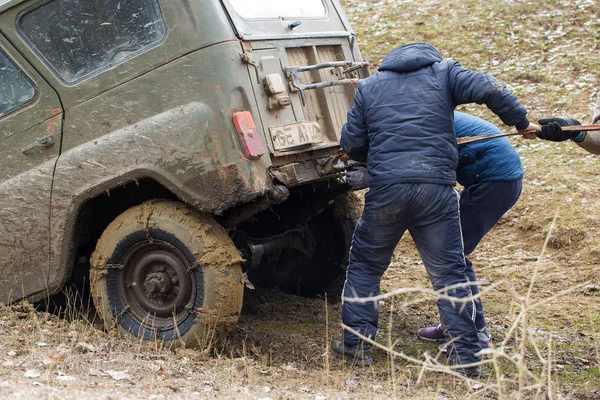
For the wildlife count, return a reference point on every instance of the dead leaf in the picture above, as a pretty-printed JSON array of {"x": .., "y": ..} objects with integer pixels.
[
  {"x": 84, "y": 348},
  {"x": 57, "y": 357},
  {"x": 118, "y": 375},
  {"x": 32, "y": 373}
]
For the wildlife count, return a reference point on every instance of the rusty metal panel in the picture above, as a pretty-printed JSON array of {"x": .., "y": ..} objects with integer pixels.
[
  {"x": 306, "y": 56},
  {"x": 328, "y": 106},
  {"x": 325, "y": 105}
]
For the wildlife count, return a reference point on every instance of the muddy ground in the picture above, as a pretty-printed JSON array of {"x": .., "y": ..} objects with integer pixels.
[
  {"x": 278, "y": 349},
  {"x": 547, "y": 51}
]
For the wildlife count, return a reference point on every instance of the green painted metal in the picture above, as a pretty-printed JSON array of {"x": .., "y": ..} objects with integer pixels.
[
  {"x": 164, "y": 115},
  {"x": 25, "y": 186}
]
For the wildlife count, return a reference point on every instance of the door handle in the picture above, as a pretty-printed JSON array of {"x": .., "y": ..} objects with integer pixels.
[{"x": 43, "y": 142}]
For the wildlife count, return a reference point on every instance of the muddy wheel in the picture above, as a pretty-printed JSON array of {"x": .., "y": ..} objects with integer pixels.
[
  {"x": 346, "y": 212},
  {"x": 322, "y": 269},
  {"x": 325, "y": 271},
  {"x": 162, "y": 271}
]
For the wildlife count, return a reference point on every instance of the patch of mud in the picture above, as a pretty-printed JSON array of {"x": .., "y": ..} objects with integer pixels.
[
  {"x": 278, "y": 328},
  {"x": 566, "y": 237},
  {"x": 528, "y": 224}
]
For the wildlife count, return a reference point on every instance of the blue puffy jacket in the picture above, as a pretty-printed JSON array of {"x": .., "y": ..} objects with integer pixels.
[
  {"x": 487, "y": 160},
  {"x": 403, "y": 115}
]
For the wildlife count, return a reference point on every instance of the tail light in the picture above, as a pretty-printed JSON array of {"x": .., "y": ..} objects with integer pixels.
[{"x": 246, "y": 128}]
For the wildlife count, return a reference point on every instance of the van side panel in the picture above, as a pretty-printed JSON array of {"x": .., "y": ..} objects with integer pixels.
[
  {"x": 30, "y": 134},
  {"x": 24, "y": 205},
  {"x": 173, "y": 124}
]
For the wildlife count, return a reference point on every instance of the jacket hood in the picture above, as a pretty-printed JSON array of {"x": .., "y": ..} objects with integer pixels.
[{"x": 410, "y": 57}]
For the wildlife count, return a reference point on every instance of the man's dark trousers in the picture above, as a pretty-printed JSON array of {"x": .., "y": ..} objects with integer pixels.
[
  {"x": 430, "y": 213},
  {"x": 481, "y": 207}
]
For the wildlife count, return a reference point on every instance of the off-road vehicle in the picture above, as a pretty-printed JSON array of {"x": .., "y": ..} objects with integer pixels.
[{"x": 174, "y": 149}]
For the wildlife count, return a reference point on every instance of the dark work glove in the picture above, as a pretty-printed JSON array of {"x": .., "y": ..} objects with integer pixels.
[
  {"x": 551, "y": 129},
  {"x": 358, "y": 178},
  {"x": 358, "y": 154}
]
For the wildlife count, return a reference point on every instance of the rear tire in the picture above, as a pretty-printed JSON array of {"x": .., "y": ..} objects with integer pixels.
[
  {"x": 323, "y": 271},
  {"x": 163, "y": 271}
]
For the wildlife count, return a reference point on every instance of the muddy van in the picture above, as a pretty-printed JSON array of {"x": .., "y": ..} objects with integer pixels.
[{"x": 173, "y": 151}]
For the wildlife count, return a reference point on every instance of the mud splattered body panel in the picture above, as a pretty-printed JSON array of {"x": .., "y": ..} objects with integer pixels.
[
  {"x": 161, "y": 113},
  {"x": 186, "y": 144},
  {"x": 25, "y": 181}
]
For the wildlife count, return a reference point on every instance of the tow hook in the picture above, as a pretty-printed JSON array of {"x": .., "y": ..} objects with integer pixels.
[{"x": 334, "y": 163}]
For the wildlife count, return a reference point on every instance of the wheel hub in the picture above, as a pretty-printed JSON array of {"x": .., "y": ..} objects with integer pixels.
[{"x": 157, "y": 284}]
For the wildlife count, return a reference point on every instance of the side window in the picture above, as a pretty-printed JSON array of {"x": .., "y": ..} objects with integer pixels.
[
  {"x": 16, "y": 89},
  {"x": 79, "y": 38}
]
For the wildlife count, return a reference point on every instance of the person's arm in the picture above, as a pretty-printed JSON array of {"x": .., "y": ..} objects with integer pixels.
[
  {"x": 551, "y": 129},
  {"x": 596, "y": 118},
  {"x": 355, "y": 138},
  {"x": 482, "y": 88},
  {"x": 590, "y": 142}
]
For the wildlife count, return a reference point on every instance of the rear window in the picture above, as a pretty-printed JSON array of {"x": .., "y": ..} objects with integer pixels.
[
  {"x": 272, "y": 9},
  {"x": 80, "y": 38},
  {"x": 16, "y": 89}
]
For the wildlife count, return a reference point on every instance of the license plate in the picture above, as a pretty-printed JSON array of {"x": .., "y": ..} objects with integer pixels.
[{"x": 295, "y": 135}]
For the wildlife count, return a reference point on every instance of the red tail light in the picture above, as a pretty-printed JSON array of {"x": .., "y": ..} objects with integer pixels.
[{"x": 246, "y": 128}]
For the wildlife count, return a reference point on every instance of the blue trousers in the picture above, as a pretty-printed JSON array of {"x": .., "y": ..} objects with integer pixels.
[
  {"x": 481, "y": 206},
  {"x": 430, "y": 213}
]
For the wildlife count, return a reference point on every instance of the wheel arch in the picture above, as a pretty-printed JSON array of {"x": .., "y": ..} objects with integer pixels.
[
  {"x": 91, "y": 211},
  {"x": 211, "y": 192}
]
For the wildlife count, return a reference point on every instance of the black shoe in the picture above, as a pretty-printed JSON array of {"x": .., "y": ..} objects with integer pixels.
[
  {"x": 360, "y": 354},
  {"x": 473, "y": 373},
  {"x": 468, "y": 372}
]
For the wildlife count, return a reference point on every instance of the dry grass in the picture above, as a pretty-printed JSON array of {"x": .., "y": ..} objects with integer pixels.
[
  {"x": 533, "y": 379},
  {"x": 546, "y": 51}
]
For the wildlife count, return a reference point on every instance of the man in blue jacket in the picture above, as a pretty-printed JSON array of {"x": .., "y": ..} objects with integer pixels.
[
  {"x": 491, "y": 174},
  {"x": 402, "y": 125}
]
